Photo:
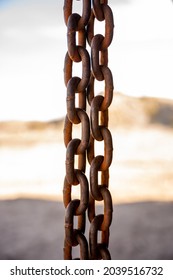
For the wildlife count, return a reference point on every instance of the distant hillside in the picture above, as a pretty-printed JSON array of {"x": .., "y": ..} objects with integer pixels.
[
  {"x": 132, "y": 111},
  {"x": 124, "y": 112}
]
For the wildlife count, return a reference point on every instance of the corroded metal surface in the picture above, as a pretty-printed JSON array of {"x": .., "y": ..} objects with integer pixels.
[{"x": 92, "y": 51}]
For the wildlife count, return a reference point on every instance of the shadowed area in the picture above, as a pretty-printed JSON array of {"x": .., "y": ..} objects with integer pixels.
[{"x": 34, "y": 229}]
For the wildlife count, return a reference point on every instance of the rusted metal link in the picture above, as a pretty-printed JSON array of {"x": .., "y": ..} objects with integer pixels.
[
  {"x": 94, "y": 187},
  {"x": 109, "y": 27},
  {"x": 82, "y": 115},
  {"x": 98, "y": 9},
  {"x": 80, "y": 240},
  {"x": 94, "y": 116},
  {"x": 68, "y": 65},
  {"x": 84, "y": 192},
  {"x": 108, "y": 208},
  {"x": 84, "y": 252},
  {"x": 97, "y": 123},
  {"x": 70, "y": 100},
  {"x": 108, "y": 148},
  {"x": 69, "y": 223},
  {"x": 95, "y": 55},
  {"x": 70, "y": 161},
  {"x": 108, "y": 91},
  {"x": 71, "y": 37},
  {"x": 93, "y": 236},
  {"x": 104, "y": 252},
  {"x": 105, "y": 162},
  {"x": 109, "y": 87},
  {"x": 68, "y": 7}
]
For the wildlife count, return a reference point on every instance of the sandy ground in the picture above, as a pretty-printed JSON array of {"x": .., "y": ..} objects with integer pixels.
[
  {"x": 33, "y": 229},
  {"x": 141, "y": 178}
]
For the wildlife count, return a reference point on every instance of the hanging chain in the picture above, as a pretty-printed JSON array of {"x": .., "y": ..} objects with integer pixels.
[
  {"x": 76, "y": 114},
  {"x": 80, "y": 92}
]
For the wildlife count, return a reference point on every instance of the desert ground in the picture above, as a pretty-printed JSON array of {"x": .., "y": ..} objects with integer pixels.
[{"x": 32, "y": 159}]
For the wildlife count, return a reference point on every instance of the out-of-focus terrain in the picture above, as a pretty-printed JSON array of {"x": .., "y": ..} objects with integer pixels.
[{"x": 32, "y": 156}]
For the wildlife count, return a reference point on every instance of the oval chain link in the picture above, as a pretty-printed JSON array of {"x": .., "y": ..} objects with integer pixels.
[{"x": 94, "y": 127}]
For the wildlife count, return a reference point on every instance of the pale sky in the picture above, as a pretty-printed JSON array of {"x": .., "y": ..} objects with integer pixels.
[{"x": 33, "y": 46}]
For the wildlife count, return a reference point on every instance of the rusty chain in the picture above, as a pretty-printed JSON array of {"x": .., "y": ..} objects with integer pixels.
[{"x": 94, "y": 127}]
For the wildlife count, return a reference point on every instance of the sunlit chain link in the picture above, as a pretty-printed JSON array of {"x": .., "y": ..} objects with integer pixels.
[
  {"x": 80, "y": 29},
  {"x": 99, "y": 164},
  {"x": 76, "y": 152}
]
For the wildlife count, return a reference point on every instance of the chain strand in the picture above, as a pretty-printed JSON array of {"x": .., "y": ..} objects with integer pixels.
[{"x": 94, "y": 127}]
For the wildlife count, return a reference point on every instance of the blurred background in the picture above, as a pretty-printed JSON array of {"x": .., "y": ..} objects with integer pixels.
[{"x": 32, "y": 109}]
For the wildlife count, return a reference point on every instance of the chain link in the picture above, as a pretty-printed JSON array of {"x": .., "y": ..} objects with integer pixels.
[{"x": 94, "y": 127}]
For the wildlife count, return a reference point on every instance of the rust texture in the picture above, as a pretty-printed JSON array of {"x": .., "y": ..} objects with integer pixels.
[{"x": 91, "y": 111}]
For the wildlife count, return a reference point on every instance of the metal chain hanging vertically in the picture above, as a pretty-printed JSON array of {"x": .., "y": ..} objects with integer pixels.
[{"x": 80, "y": 93}]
